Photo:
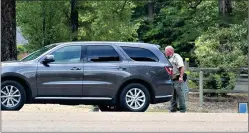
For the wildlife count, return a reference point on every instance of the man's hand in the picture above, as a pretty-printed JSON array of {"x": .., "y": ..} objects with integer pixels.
[{"x": 180, "y": 79}]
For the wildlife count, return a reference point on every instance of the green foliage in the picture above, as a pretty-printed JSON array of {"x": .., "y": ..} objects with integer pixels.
[
  {"x": 179, "y": 25},
  {"x": 30, "y": 18},
  {"x": 21, "y": 49},
  {"x": 107, "y": 21},
  {"x": 195, "y": 33},
  {"x": 192, "y": 84},
  {"x": 221, "y": 80},
  {"x": 223, "y": 47},
  {"x": 192, "y": 28},
  {"x": 98, "y": 20}
]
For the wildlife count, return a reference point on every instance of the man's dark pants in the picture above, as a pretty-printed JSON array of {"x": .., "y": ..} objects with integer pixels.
[{"x": 178, "y": 97}]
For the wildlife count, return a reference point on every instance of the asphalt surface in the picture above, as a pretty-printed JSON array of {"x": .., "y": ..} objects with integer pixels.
[{"x": 123, "y": 122}]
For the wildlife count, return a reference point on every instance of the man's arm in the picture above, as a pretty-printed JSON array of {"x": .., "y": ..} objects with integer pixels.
[
  {"x": 181, "y": 69},
  {"x": 180, "y": 66}
]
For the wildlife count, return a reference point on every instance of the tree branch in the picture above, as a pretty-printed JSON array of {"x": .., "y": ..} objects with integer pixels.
[
  {"x": 68, "y": 18},
  {"x": 123, "y": 6},
  {"x": 193, "y": 6}
]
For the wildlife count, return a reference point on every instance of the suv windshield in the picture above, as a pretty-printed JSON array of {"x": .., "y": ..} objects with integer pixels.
[{"x": 37, "y": 53}]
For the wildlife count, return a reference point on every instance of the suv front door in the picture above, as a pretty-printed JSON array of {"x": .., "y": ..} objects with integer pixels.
[{"x": 64, "y": 76}]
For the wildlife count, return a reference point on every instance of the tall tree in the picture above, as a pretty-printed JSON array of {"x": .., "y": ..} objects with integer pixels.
[{"x": 8, "y": 30}]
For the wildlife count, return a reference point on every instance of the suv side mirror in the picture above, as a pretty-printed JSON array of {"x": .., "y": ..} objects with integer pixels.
[{"x": 48, "y": 58}]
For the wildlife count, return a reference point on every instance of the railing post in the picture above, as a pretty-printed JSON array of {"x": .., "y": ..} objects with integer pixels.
[
  {"x": 201, "y": 88},
  {"x": 186, "y": 64}
]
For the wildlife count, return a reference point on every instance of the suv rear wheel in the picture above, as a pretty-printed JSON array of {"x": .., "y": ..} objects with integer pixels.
[
  {"x": 135, "y": 98},
  {"x": 13, "y": 95}
]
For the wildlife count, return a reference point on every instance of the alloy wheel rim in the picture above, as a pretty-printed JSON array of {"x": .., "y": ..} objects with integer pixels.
[
  {"x": 135, "y": 98},
  {"x": 10, "y": 96}
]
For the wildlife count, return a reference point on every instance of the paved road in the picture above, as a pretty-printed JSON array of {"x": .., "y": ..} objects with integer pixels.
[{"x": 126, "y": 122}]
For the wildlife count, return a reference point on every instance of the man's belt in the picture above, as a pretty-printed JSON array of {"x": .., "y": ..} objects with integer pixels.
[{"x": 176, "y": 77}]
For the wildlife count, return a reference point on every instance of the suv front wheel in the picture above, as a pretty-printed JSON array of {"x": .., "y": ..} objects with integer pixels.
[
  {"x": 13, "y": 95},
  {"x": 135, "y": 98}
]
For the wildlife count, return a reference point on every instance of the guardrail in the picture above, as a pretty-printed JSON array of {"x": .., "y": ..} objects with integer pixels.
[
  {"x": 201, "y": 79},
  {"x": 219, "y": 91},
  {"x": 196, "y": 69}
]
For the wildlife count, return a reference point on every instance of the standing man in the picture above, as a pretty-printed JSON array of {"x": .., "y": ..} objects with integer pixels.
[{"x": 178, "y": 72}]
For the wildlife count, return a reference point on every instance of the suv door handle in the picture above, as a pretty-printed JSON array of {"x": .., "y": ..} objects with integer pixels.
[{"x": 75, "y": 68}]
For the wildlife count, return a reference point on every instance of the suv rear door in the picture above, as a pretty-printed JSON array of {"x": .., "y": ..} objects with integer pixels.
[{"x": 104, "y": 69}]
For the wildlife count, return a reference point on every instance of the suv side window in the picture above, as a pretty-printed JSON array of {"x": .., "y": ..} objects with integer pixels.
[
  {"x": 140, "y": 54},
  {"x": 67, "y": 54},
  {"x": 102, "y": 53}
]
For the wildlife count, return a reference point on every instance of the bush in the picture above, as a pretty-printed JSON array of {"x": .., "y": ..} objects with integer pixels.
[
  {"x": 220, "y": 80},
  {"x": 21, "y": 51},
  {"x": 222, "y": 48},
  {"x": 193, "y": 84}
]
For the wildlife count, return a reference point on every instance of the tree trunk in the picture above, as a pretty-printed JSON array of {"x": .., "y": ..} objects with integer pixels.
[
  {"x": 74, "y": 20},
  {"x": 150, "y": 10},
  {"x": 8, "y": 30},
  {"x": 248, "y": 43},
  {"x": 43, "y": 23},
  {"x": 225, "y": 11},
  {"x": 225, "y": 7}
]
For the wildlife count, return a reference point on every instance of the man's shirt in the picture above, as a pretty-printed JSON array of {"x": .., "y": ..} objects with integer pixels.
[{"x": 177, "y": 62}]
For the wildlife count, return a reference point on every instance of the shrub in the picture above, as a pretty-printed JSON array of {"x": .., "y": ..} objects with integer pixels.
[{"x": 222, "y": 48}]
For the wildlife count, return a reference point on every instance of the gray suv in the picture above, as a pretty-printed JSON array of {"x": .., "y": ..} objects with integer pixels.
[{"x": 120, "y": 76}]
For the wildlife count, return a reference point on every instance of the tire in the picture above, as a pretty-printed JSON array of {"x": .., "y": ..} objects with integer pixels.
[
  {"x": 126, "y": 103},
  {"x": 19, "y": 93}
]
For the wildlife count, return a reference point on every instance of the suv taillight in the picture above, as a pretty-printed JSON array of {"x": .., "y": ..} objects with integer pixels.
[{"x": 169, "y": 70}]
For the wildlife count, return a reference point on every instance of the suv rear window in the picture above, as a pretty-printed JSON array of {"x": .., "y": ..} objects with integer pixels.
[
  {"x": 102, "y": 53},
  {"x": 140, "y": 54}
]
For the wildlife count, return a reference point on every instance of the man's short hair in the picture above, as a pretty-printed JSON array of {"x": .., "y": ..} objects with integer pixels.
[{"x": 169, "y": 47}]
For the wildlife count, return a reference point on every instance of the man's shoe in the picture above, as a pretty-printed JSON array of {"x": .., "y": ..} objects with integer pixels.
[
  {"x": 174, "y": 110},
  {"x": 182, "y": 110}
]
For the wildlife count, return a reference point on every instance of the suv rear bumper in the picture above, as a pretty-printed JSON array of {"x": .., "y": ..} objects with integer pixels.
[{"x": 163, "y": 91}]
